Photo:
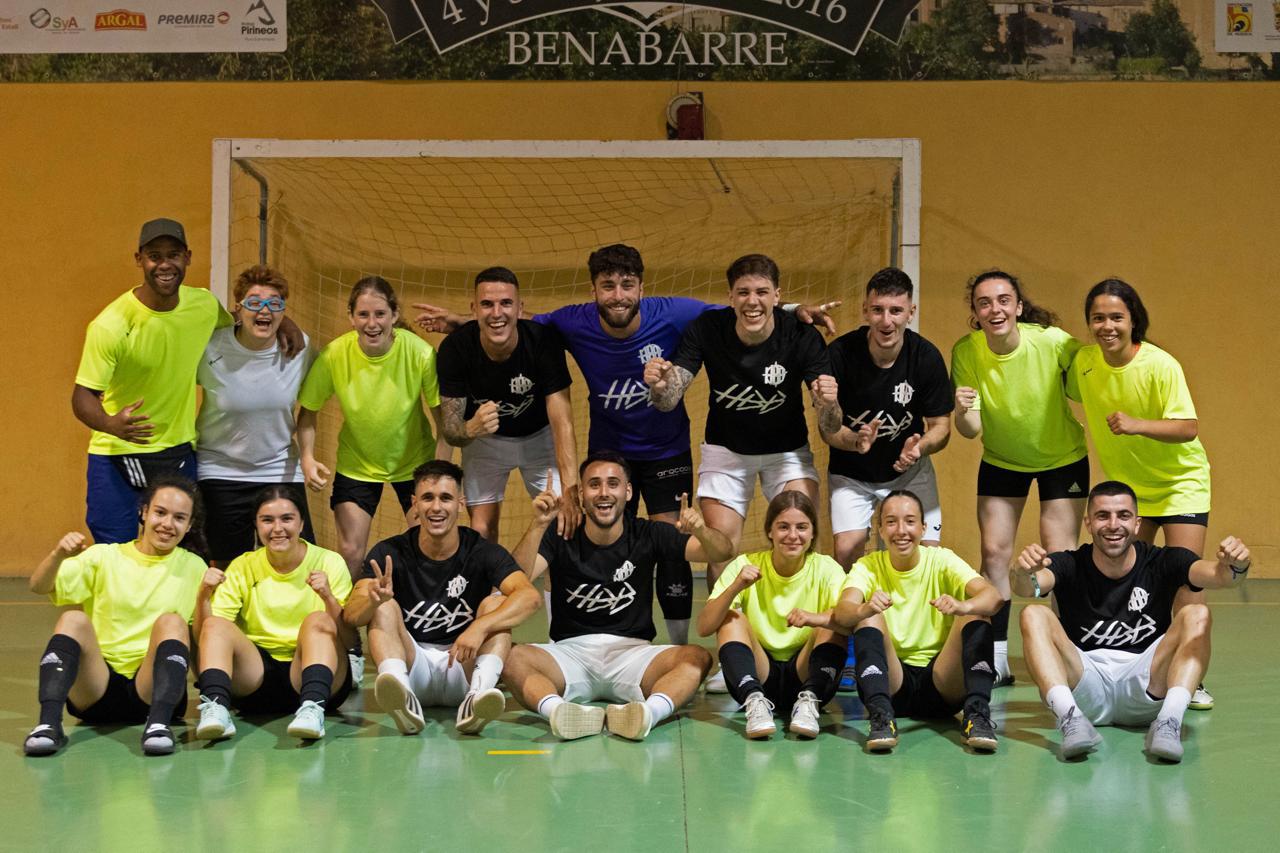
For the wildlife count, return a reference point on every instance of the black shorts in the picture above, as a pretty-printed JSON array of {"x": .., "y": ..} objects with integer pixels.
[
  {"x": 1069, "y": 481},
  {"x": 276, "y": 696},
  {"x": 229, "y": 516},
  {"x": 120, "y": 703},
  {"x": 918, "y": 697},
  {"x": 366, "y": 495},
  {"x": 660, "y": 482},
  {"x": 1200, "y": 518},
  {"x": 783, "y": 684}
]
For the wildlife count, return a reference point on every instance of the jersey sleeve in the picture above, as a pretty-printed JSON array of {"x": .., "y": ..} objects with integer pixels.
[
  {"x": 861, "y": 579},
  {"x": 1175, "y": 567},
  {"x": 958, "y": 574},
  {"x": 229, "y": 598},
  {"x": 224, "y": 318},
  {"x": 813, "y": 353},
  {"x": 98, "y": 359},
  {"x": 75, "y": 579},
  {"x": 833, "y": 578},
  {"x": 549, "y": 547},
  {"x": 1073, "y": 381},
  {"x": 335, "y": 568},
  {"x": 1068, "y": 346},
  {"x": 317, "y": 387},
  {"x": 963, "y": 372},
  {"x": 1171, "y": 384},
  {"x": 430, "y": 377},
  {"x": 727, "y": 577},
  {"x": 668, "y": 542},
  {"x": 553, "y": 371},
  {"x": 451, "y": 366},
  {"x": 935, "y": 386},
  {"x": 1062, "y": 565},
  {"x": 689, "y": 354},
  {"x": 498, "y": 564}
]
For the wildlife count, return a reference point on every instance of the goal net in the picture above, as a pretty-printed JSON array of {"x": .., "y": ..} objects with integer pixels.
[{"x": 427, "y": 216}]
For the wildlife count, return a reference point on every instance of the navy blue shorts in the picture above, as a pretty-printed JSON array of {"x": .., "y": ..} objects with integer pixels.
[{"x": 115, "y": 485}]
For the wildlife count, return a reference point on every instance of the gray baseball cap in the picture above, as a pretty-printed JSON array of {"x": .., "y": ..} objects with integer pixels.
[{"x": 162, "y": 228}]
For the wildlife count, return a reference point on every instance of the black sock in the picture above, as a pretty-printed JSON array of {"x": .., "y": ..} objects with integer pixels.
[
  {"x": 872, "y": 669},
  {"x": 825, "y": 662},
  {"x": 977, "y": 655},
  {"x": 317, "y": 683},
  {"x": 739, "y": 665},
  {"x": 168, "y": 680},
  {"x": 215, "y": 684},
  {"x": 1000, "y": 622},
  {"x": 58, "y": 668},
  {"x": 675, "y": 589}
]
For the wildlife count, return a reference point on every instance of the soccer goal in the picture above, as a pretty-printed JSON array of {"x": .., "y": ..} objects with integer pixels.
[{"x": 428, "y": 215}]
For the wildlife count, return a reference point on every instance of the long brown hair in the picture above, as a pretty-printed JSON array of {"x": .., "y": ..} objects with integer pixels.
[
  {"x": 792, "y": 499},
  {"x": 1031, "y": 313}
]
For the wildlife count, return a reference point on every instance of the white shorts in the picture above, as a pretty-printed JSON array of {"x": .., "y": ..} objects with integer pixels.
[
  {"x": 853, "y": 502},
  {"x": 1113, "y": 689},
  {"x": 431, "y": 678},
  {"x": 602, "y": 666},
  {"x": 731, "y": 477},
  {"x": 489, "y": 460}
]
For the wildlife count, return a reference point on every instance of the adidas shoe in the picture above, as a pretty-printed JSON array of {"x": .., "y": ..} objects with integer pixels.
[
  {"x": 158, "y": 739},
  {"x": 632, "y": 721},
  {"x": 882, "y": 731},
  {"x": 308, "y": 723},
  {"x": 979, "y": 731},
  {"x": 396, "y": 699},
  {"x": 1201, "y": 699},
  {"x": 215, "y": 721},
  {"x": 478, "y": 709},
  {"x": 760, "y": 725},
  {"x": 805, "y": 714},
  {"x": 570, "y": 721},
  {"x": 355, "y": 661},
  {"x": 1164, "y": 739},
  {"x": 44, "y": 740},
  {"x": 1078, "y": 734}
]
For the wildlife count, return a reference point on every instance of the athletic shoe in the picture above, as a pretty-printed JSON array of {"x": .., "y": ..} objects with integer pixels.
[
  {"x": 570, "y": 721},
  {"x": 355, "y": 660},
  {"x": 44, "y": 740},
  {"x": 1164, "y": 739},
  {"x": 805, "y": 714},
  {"x": 632, "y": 721},
  {"x": 760, "y": 725},
  {"x": 478, "y": 709},
  {"x": 1201, "y": 699},
  {"x": 1078, "y": 734},
  {"x": 882, "y": 732},
  {"x": 215, "y": 721},
  {"x": 848, "y": 680},
  {"x": 395, "y": 698},
  {"x": 715, "y": 684},
  {"x": 308, "y": 723},
  {"x": 979, "y": 732},
  {"x": 1005, "y": 680},
  {"x": 158, "y": 740}
]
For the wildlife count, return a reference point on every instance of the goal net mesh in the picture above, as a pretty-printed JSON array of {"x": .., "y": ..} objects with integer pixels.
[{"x": 429, "y": 224}]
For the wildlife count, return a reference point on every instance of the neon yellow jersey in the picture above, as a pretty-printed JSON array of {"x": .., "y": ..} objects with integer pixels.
[
  {"x": 269, "y": 607},
  {"x": 1169, "y": 479},
  {"x": 133, "y": 353},
  {"x": 766, "y": 603},
  {"x": 124, "y": 592},
  {"x": 385, "y": 433},
  {"x": 917, "y": 629},
  {"x": 1027, "y": 424}
]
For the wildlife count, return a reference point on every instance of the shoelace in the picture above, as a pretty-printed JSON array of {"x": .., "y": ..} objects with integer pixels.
[{"x": 1169, "y": 724}]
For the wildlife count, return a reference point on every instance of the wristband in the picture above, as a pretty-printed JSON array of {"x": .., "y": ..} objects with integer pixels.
[
  {"x": 1238, "y": 571},
  {"x": 790, "y": 307},
  {"x": 1035, "y": 585}
]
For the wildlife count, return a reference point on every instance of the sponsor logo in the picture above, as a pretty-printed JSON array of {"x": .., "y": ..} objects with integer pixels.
[
  {"x": 829, "y": 672},
  {"x": 120, "y": 19},
  {"x": 677, "y": 589},
  {"x": 1138, "y": 598},
  {"x": 178, "y": 659},
  {"x": 593, "y": 597},
  {"x": 1240, "y": 19},
  {"x": 889, "y": 427},
  {"x": 521, "y": 384},
  {"x": 981, "y": 666},
  {"x": 1117, "y": 633},
  {"x": 456, "y": 587},
  {"x": 42, "y": 19},
  {"x": 872, "y": 669},
  {"x": 649, "y": 353},
  {"x": 902, "y": 393},
  {"x": 8, "y": 24},
  {"x": 775, "y": 374},
  {"x": 51, "y": 657},
  {"x": 625, "y": 394},
  {"x": 1075, "y": 489},
  {"x": 189, "y": 20},
  {"x": 259, "y": 21},
  {"x": 624, "y": 571},
  {"x": 748, "y": 399}
]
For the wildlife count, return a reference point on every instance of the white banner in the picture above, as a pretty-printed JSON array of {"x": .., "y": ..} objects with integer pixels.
[
  {"x": 1247, "y": 26},
  {"x": 143, "y": 26}
]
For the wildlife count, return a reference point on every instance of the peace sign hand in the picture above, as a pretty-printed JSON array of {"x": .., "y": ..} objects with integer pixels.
[{"x": 381, "y": 590}]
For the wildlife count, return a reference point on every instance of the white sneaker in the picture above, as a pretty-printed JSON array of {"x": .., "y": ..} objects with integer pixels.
[
  {"x": 396, "y": 699},
  {"x": 760, "y": 725},
  {"x": 715, "y": 684},
  {"x": 570, "y": 721},
  {"x": 478, "y": 709},
  {"x": 805, "y": 714},
  {"x": 632, "y": 721},
  {"x": 215, "y": 721},
  {"x": 356, "y": 663},
  {"x": 1201, "y": 699},
  {"x": 308, "y": 723}
]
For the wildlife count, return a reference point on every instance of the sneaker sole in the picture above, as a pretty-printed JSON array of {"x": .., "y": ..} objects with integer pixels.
[
  {"x": 1081, "y": 749},
  {"x": 982, "y": 744},
  {"x": 626, "y": 721},
  {"x": 488, "y": 706},
  {"x": 43, "y": 746},
  {"x": 393, "y": 698},
  {"x": 883, "y": 744},
  {"x": 215, "y": 731},
  {"x": 304, "y": 733},
  {"x": 1200, "y": 706},
  {"x": 761, "y": 734},
  {"x": 803, "y": 732},
  {"x": 164, "y": 748},
  {"x": 578, "y": 721}
]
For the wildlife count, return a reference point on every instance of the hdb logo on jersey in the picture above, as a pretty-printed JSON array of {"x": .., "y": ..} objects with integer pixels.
[
  {"x": 1138, "y": 598},
  {"x": 902, "y": 393},
  {"x": 775, "y": 374},
  {"x": 623, "y": 572},
  {"x": 649, "y": 352},
  {"x": 456, "y": 587},
  {"x": 521, "y": 384}
]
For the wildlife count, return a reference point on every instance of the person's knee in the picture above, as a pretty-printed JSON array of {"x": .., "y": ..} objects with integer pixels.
[
  {"x": 1035, "y": 620},
  {"x": 319, "y": 623},
  {"x": 75, "y": 624},
  {"x": 386, "y": 616},
  {"x": 1194, "y": 620},
  {"x": 170, "y": 626},
  {"x": 696, "y": 656}
]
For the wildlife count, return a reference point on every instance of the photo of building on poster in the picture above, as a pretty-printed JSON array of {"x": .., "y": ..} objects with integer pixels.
[{"x": 84, "y": 40}]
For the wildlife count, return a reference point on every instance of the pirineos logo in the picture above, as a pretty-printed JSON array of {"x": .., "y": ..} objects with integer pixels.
[
  {"x": 264, "y": 14},
  {"x": 258, "y": 22},
  {"x": 120, "y": 19}
]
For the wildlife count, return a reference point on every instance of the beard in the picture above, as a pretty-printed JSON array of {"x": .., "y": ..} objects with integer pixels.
[{"x": 607, "y": 316}]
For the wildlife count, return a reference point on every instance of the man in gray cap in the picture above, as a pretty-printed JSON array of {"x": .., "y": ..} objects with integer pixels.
[{"x": 136, "y": 384}]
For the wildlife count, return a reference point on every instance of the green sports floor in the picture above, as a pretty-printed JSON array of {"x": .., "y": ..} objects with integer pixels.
[{"x": 695, "y": 784}]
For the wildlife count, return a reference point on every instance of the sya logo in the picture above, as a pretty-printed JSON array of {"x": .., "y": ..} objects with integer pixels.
[
  {"x": 42, "y": 19},
  {"x": 1240, "y": 19},
  {"x": 456, "y": 587}
]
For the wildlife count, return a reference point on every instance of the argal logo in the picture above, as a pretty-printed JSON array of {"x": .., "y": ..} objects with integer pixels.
[{"x": 120, "y": 19}]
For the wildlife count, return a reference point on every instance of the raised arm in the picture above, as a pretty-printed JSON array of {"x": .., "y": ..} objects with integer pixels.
[
  {"x": 716, "y": 609},
  {"x": 1029, "y": 576},
  {"x": 546, "y": 508},
  {"x": 369, "y": 594},
  {"x": 707, "y": 544},
  {"x": 1230, "y": 568},
  {"x": 44, "y": 578},
  {"x": 667, "y": 383},
  {"x": 968, "y": 419},
  {"x": 852, "y": 608},
  {"x": 460, "y": 431},
  {"x": 560, "y": 416}
]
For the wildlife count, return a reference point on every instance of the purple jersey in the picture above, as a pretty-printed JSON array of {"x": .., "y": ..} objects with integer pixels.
[{"x": 622, "y": 418}]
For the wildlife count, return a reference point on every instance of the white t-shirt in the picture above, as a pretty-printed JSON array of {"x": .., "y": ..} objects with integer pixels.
[{"x": 246, "y": 422}]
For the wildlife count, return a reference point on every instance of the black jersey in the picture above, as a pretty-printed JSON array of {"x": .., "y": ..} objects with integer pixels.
[
  {"x": 439, "y": 598},
  {"x": 608, "y": 590},
  {"x": 519, "y": 385},
  {"x": 1127, "y": 614},
  {"x": 916, "y": 386},
  {"x": 757, "y": 392}
]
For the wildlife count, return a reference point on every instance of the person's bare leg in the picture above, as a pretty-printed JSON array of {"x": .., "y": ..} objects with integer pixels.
[
  {"x": 727, "y": 520},
  {"x": 998, "y": 524},
  {"x": 1056, "y": 667},
  {"x": 484, "y": 519},
  {"x": 669, "y": 681},
  {"x": 394, "y": 652},
  {"x": 353, "y": 525}
]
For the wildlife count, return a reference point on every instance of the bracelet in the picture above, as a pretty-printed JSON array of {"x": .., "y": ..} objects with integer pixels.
[
  {"x": 790, "y": 307},
  {"x": 1035, "y": 585},
  {"x": 1238, "y": 571}
]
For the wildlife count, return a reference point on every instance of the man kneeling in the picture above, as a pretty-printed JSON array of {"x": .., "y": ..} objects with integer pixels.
[
  {"x": 602, "y": 610},
  {"x": 1116, "y": 655},
  {"x": 436, "y": 634}
]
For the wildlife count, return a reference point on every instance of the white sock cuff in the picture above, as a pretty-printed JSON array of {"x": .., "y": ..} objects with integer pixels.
[
  {"x": 548, "y": 704},
  {"x": 486, "y": 672},
  {"x": 394, "y": 665},
  {"x": 660, "y": 705}
]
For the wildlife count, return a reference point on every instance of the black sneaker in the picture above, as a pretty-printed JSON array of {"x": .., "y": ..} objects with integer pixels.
[
  {"x": 882, "y": 733},
  {"x": 44, "y": 740},
  {"x": 158, "y": 740},
  {"x": 979, "y": 732}
]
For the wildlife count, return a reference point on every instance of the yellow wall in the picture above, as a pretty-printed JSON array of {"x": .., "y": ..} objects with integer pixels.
[{"x": 1171, "y": 186}]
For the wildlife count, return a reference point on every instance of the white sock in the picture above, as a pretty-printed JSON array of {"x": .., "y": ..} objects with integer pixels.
[
  {"x": 661, "y": 706},
  {"x": 1175, "y": 703},
  {"x": 546, "y": 599},
  {"x": 1060, "y": 700},
  {"x": 548, "y": 704},
  {"x": 487, "y": 671},
  {"x": 396, "y": 667},
  {"x": 1002, "y": 658},
  {"x": 678, "y": 631}
]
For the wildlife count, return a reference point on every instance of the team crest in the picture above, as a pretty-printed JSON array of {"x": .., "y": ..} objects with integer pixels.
[
  {"x": 902, "y": 393},
  {"x": 456, "y": 587},
  {"x": 623, "y": 572},
  {"x": 649, "y": 352},
  {"x": 521, "y": 384},
  {"x": 1138, "y": 598},
  {"x": 775, "y": 374}
]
